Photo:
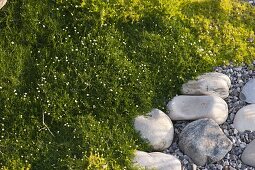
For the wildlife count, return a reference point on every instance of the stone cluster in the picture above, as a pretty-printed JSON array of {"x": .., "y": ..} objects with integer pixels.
[{"x": 196, "y": 132}]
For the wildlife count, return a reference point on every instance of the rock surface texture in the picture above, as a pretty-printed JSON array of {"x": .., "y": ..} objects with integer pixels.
[
  {"x": 208, "y": 84},
  {"x": 245, "y": 118},
  {"x": 204, "y": 142},
  {"x": 156, "y": 160},
  {"x": 248, "y": 156},
  {"x": 157, "y": 128},
  {"x": 248, "y": 92},
  {"x": 196, "y": 107},
  {"x": 217, "y": 75},
  {"x": 2, "y": 3}
]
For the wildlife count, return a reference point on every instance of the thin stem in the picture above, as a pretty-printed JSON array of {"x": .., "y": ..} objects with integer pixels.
[{"x": 47, "y": 126}]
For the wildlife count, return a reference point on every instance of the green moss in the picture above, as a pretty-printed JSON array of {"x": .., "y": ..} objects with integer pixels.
[{"x": 74, "y": 75}]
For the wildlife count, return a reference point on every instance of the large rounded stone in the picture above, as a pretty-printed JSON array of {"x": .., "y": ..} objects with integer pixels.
[
  {"x": 248, "y": 156},
  {"x": 2, "y": 3},
  {"x": 156, "y": 160},
  {"x": 208, "y": 84},
  {"x": 157, "y": 128},
  {"x": 245, "y": 118},
  {"x": 204, "y": 142},
  {"x": 196, "y": 107},
  {"x": 248, "y": 92},
  {"x": 216, "y": 75}
]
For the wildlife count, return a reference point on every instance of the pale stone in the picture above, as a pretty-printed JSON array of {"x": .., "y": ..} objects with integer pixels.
[
  {"x": 245, "y": 118},
  {"x": 156, "y": 160},
  {"x": 204, "y": 142},
  {"x": 216, "y": 75},
  {"x": 248, "y": 156},
  {"x": 208, "y": 84},
  {"x": 157, "y": 128},
  {"x": 2, "y": 3},
  {"x": 186, "y": 107},
  {"x": 248, "y": 92}
]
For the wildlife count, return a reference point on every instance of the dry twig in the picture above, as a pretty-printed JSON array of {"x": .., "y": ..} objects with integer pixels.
[{"x": 47, "y": 126}]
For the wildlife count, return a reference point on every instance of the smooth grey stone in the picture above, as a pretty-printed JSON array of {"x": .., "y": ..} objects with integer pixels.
[
  {"x": 248, "y": 92},
  {"x": 157, "y": 128},
  {"x": 208, "y": 84},
  {"x": 156, "y": 160},
  {"x": 248, "y": 156},
  {"x": 245, "y": 118},
  {"x": 204, "y": 142},
  {"x": 186, "y": 107}
]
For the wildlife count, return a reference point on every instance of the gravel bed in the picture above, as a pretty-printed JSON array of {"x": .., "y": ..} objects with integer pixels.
[{"x": 238, "y": 76}]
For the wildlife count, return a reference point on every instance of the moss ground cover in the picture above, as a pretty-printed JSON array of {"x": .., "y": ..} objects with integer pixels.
[{"x": 74, "y": 74}]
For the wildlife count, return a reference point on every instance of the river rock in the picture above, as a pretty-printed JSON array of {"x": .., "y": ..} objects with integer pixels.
[
  {"x": 245, "y": 118},
  {"x": 216, "y": 75},
  {"x": 208, "y": 84},
  {"x": 2, "y": 3},
  {"x": 248, "y": 156},
  {"x": 204, "y": 142},
  {"x": 157, "y": 128},
  {"x": 185, "y": 107},
  {"x": 156, "y": 160},
  {"x": 248, "y": 92}
]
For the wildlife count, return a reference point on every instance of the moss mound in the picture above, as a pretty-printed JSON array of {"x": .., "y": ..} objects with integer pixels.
[{"x": 75, "y": 74}]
